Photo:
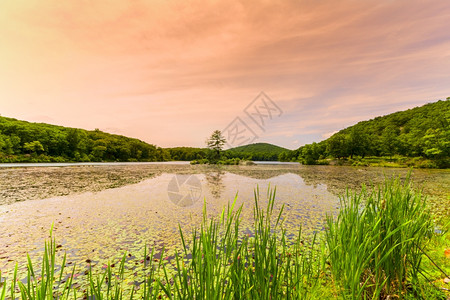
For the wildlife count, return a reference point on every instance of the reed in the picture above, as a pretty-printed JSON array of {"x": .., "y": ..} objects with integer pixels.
[
  {"x": 374, "y": 241},
  {"x": 372, "y": 249}
]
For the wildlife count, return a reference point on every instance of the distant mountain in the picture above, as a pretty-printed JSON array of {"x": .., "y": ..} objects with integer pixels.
[
  {"x": 22, "y": 141},
  {"x": 418, "y": 132},
  {"x": 259, "y": 147},
  {"x": 257, "y": 151}
]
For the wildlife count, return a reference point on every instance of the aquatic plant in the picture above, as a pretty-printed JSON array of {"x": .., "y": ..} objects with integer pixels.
[
  {"x": 372, "y": 249},
  {"x": 375, "y": 240}
]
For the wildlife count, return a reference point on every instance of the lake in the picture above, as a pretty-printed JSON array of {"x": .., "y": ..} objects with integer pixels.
[{"x": 101, "y": 211}]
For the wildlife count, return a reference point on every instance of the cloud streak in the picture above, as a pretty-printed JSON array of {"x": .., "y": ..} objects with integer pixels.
[{"x": 170, "y": 72}]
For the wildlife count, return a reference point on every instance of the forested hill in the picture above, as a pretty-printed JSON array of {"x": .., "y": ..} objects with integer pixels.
[
  {"x": 259, "y": 147},
  {"x": 257, "y": 151},
  {"x": 22, "y": 141},
  {"x": 419, "y": 132},
  {"x": 422, "y": 133}
]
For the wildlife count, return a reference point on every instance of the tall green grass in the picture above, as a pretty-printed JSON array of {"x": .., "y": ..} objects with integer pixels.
[
  {"x": 374, "y": 241},
  {"x": 370, "y": 250},
  {"x": 227, "y": 264}
]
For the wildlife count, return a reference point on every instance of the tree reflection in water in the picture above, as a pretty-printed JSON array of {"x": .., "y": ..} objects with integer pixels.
[{"x": 215, "y": 182}]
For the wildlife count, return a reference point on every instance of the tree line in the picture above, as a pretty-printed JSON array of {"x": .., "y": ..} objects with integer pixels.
[
  {"x": 419, "y": 132},
  {"x": 33, "y": 142},
  {"x": 22, "y": 141}
]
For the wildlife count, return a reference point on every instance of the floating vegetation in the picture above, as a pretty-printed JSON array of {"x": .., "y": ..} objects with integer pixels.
[
  {"x": 373, "y": 248},
  {"x": 101, "y": 226}
]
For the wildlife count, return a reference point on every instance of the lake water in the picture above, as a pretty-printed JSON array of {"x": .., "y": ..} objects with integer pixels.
[{"x": 101, "y": 211}]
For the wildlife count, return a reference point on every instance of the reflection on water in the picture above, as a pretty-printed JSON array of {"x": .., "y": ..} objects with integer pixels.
[
  {"x": 215, "y": 184},
  {"x": 101, "y": 226}
]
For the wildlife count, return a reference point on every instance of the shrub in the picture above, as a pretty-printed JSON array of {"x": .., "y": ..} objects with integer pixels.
[{"x": 202, "y": 161}]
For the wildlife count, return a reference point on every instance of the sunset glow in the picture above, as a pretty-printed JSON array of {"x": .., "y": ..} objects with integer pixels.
[{"x": 171, "y": 72}]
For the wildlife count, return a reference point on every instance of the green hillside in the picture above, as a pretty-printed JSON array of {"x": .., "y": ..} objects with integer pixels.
[
  {"x": 421, "y": 132},
  {"x": 22, "y": 141},
  {"x": 259, "y": 147},
  {"x": 257, "y": 151},
  {"x": 414, "y": 137}
]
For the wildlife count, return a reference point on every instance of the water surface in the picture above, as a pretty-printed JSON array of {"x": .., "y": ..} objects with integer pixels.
[{"x": 100, "y": 212}]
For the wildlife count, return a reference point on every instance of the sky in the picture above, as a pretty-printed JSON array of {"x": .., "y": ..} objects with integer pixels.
[{"x": 172, "y": 72}]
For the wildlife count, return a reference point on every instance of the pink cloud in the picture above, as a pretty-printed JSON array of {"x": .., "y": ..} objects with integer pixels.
[{"x": 170, "y": 72}]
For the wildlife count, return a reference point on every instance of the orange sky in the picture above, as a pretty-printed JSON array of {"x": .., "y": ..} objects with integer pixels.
[{"x": 171, "y": 72}]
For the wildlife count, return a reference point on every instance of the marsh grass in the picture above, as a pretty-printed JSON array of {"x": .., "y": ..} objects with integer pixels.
[
  {"x": 368, "y": 251},
  {"x": 227, "y": 264},
  {"x": 374, "y": 241}
]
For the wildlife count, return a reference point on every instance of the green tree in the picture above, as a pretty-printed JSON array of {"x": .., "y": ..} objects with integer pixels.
[
  {"x": 73, "y": 140},
  {"x": 337, "y": 145},
  {"x": 310, "y": 154},
  {"x": 389, "y": 141},
  {"x": 98, "y": 152},
  {"x": 283, "y": 156},
  {"x": 436, "y": 143},
  {"x": 15, "y": 142},
  {"x": 215, "y": 143},
  {"x": 33, "y": 147},
  {"x": 2, "y": 143},
  {"x": 358, "y": 142}
]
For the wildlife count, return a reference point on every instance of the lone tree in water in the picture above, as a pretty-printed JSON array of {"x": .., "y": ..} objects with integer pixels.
[{"x": 216, "y": 142}]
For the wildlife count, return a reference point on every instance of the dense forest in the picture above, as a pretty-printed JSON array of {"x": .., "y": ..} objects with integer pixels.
[
  {"x": 256, "y": 152},
  {"x": 421, "y": 132},
  {"x": 186, "y": 153},
  {"x": 22, "y": 141}
]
